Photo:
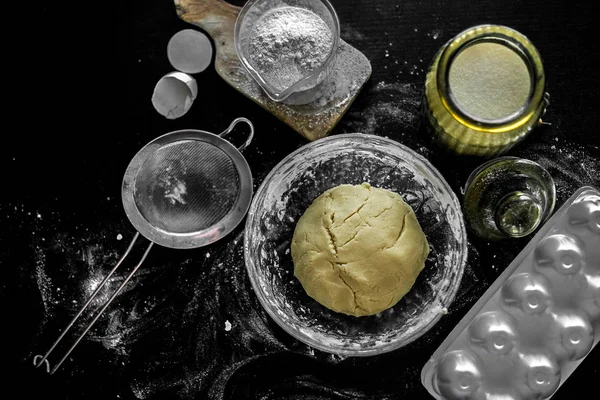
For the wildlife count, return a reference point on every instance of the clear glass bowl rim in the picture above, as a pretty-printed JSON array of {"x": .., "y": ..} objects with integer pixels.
[{"x": 250, "y": 265}]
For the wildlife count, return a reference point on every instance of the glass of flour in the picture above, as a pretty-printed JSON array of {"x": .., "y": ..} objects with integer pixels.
[{"x": 288, "y": 46}]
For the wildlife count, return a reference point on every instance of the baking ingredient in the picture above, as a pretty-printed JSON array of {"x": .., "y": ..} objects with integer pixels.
[
  {"x": 350, "y": 71},
  {"x": 358, "y": 249},
  {"x": 287, "y": 43},
  {"x": 489, "y": 81}
]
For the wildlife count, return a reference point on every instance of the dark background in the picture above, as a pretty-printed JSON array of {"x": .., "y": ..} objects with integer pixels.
[{"x": 85, "y": 78}]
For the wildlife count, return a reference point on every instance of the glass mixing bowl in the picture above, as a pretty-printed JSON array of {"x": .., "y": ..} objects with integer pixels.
[
  {"x": 292, "y": 186},
  {"x": 252, "y": 11}
]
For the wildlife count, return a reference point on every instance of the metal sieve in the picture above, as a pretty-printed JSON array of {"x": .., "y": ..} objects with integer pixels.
[
  {"x": 188, "y": 188},
  {"x": 183, "y": 190}
]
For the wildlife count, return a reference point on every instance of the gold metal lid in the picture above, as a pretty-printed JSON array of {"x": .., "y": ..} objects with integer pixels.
[{"x": 458, "y": 128}]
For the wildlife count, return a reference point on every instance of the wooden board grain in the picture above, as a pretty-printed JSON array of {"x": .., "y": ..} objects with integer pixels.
[{"x": 314, "y": 120}]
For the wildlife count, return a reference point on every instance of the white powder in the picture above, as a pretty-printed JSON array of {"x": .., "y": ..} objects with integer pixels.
[{"x": 287, "y": 43}]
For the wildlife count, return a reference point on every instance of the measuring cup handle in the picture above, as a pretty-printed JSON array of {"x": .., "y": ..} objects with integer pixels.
[{"x": 233, "y": 124}]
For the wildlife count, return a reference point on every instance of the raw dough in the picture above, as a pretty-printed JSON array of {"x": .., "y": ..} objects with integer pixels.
[{"x": 357, "y": 250}]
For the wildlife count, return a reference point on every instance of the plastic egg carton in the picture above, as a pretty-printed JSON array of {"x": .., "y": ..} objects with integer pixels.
[{"x": 536, "y": 322}]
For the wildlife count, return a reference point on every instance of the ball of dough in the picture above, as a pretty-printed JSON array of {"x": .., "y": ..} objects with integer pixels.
[{"x": 357, "y": 249}]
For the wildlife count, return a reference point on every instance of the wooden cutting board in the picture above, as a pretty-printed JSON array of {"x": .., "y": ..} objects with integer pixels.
[{"x": 314, "y": 120}]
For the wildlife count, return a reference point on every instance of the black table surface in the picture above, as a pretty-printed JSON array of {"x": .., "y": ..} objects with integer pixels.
[{"x": 63, "y": 226}]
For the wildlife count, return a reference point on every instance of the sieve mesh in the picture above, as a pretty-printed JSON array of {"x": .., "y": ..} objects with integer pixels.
[{"x": 186, "y": 186}]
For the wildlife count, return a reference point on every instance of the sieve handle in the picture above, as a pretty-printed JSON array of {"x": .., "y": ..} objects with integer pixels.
[
  {"x": 233, "y": 124},
  {"x": 40, "y": 360}
]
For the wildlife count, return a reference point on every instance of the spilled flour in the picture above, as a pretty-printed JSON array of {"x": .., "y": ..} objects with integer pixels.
[
  {"x": 391, "y": 103},
  {"x": 570, "y": 165},
  {"x": 393, "y": 110}
]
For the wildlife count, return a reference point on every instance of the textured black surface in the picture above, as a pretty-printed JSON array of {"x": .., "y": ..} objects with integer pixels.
[{"x": 90, "y": 76}]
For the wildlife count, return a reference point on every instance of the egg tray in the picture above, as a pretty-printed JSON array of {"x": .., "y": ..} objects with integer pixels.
[{"x": 536, "y": 322}]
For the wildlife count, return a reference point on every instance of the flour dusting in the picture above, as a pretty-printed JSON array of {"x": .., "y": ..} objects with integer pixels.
[
  {"x": 393, "y": 111},
  {"x": 570, "y": 165}
]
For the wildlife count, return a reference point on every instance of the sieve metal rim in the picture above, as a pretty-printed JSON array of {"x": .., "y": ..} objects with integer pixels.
[
  {"x": 202, "y": 237},
  {"x": 178, "y": 241}
]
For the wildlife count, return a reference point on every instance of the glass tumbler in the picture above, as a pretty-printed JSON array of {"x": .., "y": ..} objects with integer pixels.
[{"x": 508, "y": 197}]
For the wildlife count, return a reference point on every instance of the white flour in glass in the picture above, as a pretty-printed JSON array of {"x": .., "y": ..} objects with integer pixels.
[{"x": 287, "y": 43}]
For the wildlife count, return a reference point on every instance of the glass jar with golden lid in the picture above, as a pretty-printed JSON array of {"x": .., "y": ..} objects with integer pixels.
[{"x": 485, "y": 91}]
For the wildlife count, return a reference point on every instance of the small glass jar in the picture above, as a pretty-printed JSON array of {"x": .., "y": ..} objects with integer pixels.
[
  {"x": 508, "y": 197},
  {"x": 485, "y": 91}
]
